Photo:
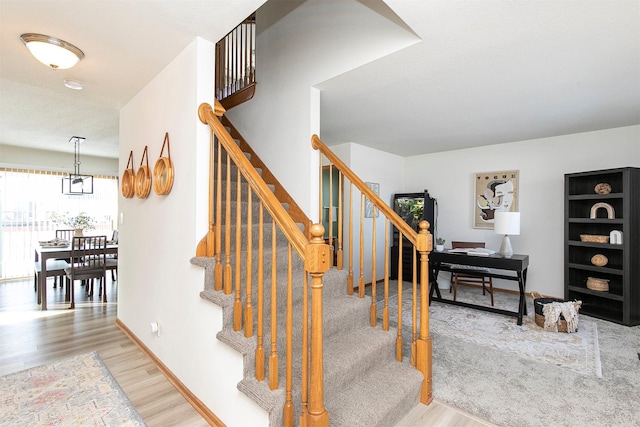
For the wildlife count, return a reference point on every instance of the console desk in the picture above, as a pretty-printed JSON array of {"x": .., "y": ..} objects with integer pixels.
[{"x": 518, "y": 264}]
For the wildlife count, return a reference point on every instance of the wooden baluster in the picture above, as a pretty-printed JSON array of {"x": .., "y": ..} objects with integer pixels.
[
  {"x": 424, "y": 345},
  {"x": 339, "y": 253},
  {"x": 330, "y": 204},
  {"x": 373, "y": 318},
  {"x": 237, "y": 304},
  {"x": 240, "y": 77},
  {"x": 260, "y": 346},
  {"x": 227, "y": 73},
  {"x": 317, "y": 262},
  {"x": 233, "y": 61},
  {"x": 227, "y": 238},
  {"x": 288, "y": 406},
  {"x": 361, "y": 277},
  {"x": 273, "y": 359},
  {"x": 321, "y": 193},
  {"x": 248, "y": 309},
  {"x": 218, "y": 233},
  {"x": 252, "y": 65},
  {"x": 414, "y": 306},
  {"x": 350, "y": 275},
  {"x": 399, "y": 336},
  {"x": 385, "y": 310},
  {"x": 304, "y": 412}
]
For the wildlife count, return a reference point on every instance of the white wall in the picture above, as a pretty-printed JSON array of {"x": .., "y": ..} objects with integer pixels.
[
  {"x": 330, "y": 38},
  {"x": 542, "y": 164},
  {"x": 159, "y": 234}
]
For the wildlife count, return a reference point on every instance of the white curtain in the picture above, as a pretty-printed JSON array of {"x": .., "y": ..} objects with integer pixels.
[{"x": 27, "y": 200}]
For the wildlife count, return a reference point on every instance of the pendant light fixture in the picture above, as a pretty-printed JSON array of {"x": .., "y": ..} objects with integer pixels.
[
  {"x": 52, "y": 52},
  {"x": 77, "y": 184}
]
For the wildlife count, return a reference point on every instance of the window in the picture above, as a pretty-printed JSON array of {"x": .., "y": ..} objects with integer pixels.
[{"x": 27, "y": 200}]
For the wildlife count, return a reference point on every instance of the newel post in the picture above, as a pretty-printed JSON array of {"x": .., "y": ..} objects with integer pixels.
[
  {"x": 424, "y": 245},
  {"x": 317, "y": 261}
]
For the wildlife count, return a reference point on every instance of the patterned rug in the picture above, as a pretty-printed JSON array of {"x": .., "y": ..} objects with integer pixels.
[
  {"x": 77, "y": 391},
  {"x": 577, "y": 351}
]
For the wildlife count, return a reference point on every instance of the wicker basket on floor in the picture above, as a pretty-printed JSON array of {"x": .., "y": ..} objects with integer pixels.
[{"x": 538, "y": 305}]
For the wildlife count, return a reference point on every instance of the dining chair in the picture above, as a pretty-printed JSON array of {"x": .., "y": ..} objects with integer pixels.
[
  {"x": 89, "y": 261},
  {"x": 472, "y": 275},
  {"x": 55, "y": 268},
  {"x": 112, "y": 259},
  {"x": 68, "y": 236}
]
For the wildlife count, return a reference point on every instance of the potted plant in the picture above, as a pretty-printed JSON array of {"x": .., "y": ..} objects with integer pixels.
[
  {"x": 79, "y": 222},
  {"x": 440, "y": 244}
]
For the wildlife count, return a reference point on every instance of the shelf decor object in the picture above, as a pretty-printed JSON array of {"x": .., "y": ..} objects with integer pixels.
[
  {"x": 143, "y": 177},
  {"x": 593, "y": 238},
  {"x": 615, "y": 237},
  {"x": 507, "y": 223},
  {"x": 128, "y": 178},
  {"x": 602, "y": 188},
  {"x": 599, "y": 260},
  {"x": 611, "y": 213},
  {"x": 600, "y": 268},
  {"x": 596, "y": 284},
  {"x": 163, "y": 170}
]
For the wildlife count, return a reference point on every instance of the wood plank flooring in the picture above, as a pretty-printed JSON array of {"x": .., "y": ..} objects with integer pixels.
[{"x": 29, "y": 337}]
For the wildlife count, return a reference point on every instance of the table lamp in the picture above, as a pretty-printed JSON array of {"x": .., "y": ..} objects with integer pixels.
[{"x": 507, "y": 223}]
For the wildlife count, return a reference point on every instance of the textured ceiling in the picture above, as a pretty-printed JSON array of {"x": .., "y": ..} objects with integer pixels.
[{"x": 484, "y": 72}]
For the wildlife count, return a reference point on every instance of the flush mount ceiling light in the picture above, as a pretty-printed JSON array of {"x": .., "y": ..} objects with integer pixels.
[
  {"x": 52, "y": 52},
  {"x": 75, "y": 183}
]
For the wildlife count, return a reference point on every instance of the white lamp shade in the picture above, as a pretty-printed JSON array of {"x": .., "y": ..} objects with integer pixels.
[{"x": 507, "y": 223}]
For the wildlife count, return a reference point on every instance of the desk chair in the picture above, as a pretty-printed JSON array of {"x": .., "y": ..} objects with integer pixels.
[
  {"x": 474, "y": 277},
  {"x": 89, "y": 261}
]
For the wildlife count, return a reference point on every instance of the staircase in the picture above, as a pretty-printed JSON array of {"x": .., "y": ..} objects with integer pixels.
[{"x": 364, "y": 383}]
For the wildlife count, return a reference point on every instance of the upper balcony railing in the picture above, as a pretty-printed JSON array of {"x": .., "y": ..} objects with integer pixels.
[{"x": 236, "y": 64}]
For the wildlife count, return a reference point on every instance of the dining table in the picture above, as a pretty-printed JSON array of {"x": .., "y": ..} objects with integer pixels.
[{"x": 45, "y": 252}]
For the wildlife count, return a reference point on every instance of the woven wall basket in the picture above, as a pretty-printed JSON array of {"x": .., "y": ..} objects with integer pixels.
[
  {"x": 128, "y": 178},
  {"x": 163, "y": 170},
  {"x": 143, "y": 177}
]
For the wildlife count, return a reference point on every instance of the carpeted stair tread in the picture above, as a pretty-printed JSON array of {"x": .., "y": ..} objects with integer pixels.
[
  {"x": 348, "y": 356},
  {"x": 380, "y": 398}
]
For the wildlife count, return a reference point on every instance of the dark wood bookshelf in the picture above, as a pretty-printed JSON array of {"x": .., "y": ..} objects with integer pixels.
[{"x": 621, "y": 302}]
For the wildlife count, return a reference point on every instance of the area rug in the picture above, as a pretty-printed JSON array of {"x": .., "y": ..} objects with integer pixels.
[
  {"x": 577, "y": 351},
  {"x": 508, "y": 389},
  {"x": 77, "y": 391}
]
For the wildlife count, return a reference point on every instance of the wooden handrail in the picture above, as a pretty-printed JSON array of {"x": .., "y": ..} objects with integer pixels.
[
  {"x": 272, "y": 204},
  {"x": 421, "y": 241},
  {"x": 313, "y": 252},
  {"x": 409, "y": 233}
]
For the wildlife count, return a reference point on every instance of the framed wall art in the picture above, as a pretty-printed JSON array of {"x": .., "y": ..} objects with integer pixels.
[
  {"x": 368, "y": 206},
  {"x": 494, "y": 192}
]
